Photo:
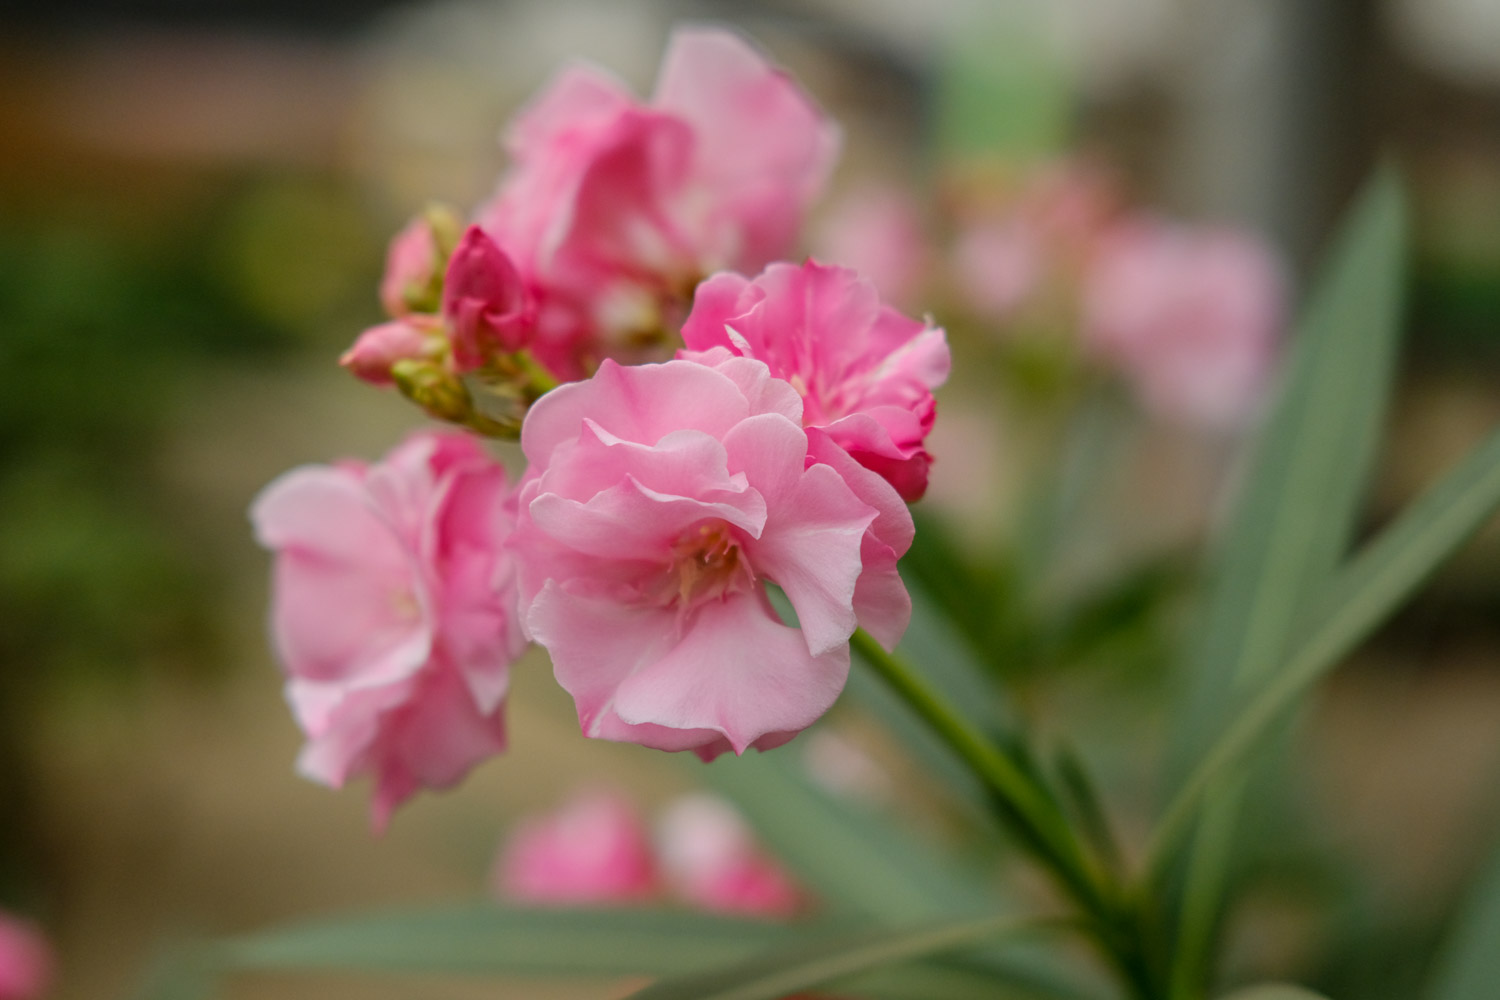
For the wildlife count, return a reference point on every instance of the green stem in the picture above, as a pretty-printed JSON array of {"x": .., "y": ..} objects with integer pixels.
[{"x": 1042, "y": 828}]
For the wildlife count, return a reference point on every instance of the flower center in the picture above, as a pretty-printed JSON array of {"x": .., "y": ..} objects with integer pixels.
[{"x": 706, "y": 564}]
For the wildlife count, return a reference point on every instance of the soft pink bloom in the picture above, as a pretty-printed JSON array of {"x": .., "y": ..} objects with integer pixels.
[
  {"x": 660, "y": 501},
  {"x": 1034, "y": 240},
  {"x": 595, "y": 849},
  {"x": 372, "y": 356},
  {"x": 393, "y": 612},
  {"x": 411, "y": 264},
  {"x": 1191, "y": 316},
  {"x": 614, "y": 209},
  {"x": 878, "y": 232},
  {"x": 713, "y": 862},
  {"x": 26, "y": 962},
  {"x": 484, "y": 302},
  {"x": 997, "y": 265},
  {"x": 864, "y": 371}
]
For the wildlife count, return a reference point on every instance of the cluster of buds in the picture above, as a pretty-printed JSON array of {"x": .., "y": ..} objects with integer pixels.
[{"x": 460, "y": 321}]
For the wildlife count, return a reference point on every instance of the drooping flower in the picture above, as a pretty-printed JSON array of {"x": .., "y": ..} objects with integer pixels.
[
  {"x": 1190, "y": 316},
  {"x": 614, "y": 209},
  {"x": 26, "y": 961},
  {"x": 393, "y": 613},
  {"x": 864, "y": 371},
  {"x": 660, "y": 502},
  {"x": 593, "y": 850},
  {"x": 712, "y": 861}
]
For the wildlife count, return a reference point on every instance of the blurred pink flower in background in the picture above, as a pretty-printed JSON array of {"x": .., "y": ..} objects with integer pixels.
[
  {"x": 613, "y": 209},
  {"x": 864, "y": 371},
  {"x": 659, "y": 501},
  {"x": 393, "y": 612},
  {"x": 1190, "y": 316},
  {"x": 26, "y": 961},
  {"x": 593, "y": 850},
  {"x": 878, "y": 232},
  {"x": 997, "y": 265},
  {"x": 1035, "y": 238},
  {"x": 712, "y": 861}
]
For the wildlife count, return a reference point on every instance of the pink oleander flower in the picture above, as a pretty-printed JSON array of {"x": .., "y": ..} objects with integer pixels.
[
  {"x": 713, "y": 862},
  {"x": 593, "y": 850},
  {"x": 997, "y": 265},
  {"x": 864, "y": 371},
  {"x": 484, "y": 303},
  {"x": 413, "y": 264},
  {"x": 393, "y": 613},
  {"x": 660, "y": 502},
  {"x": 1190, "y": 316},
  {"x": 614, "y": 209},
  {"x": 26, "y": 961},
  {"x": 878, "y": 232}
]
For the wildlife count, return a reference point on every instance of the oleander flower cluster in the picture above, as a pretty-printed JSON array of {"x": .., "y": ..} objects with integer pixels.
[{"x": 709, "y": 428}]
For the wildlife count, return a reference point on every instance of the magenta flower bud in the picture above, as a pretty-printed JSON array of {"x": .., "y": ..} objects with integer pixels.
[
  {"x": 379, "y": 348},
  {"x": 484, "y": 302}
]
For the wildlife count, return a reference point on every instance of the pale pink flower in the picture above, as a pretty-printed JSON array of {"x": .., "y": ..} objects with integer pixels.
[
  {"x": 997, "y": 266},
  {"x": 593, "y": 850},
  {"x": 614, "y": 209},
  {"x": 393, "y": 613},
  {"x": 878, "y": 232},
  {"x": 484, "y": 302},
  {"x": 377, "y": 350},
  {"x": 26, "y": 960},
  {"x": 412, "y": 265},
  {"x": 712, "y": 860},
  {"x": 1190, "y": 316},
  {"x": 660, "y": 502},
  {"x": 864, "y": 371}
]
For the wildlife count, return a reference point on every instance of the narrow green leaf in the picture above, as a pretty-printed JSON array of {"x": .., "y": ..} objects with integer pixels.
[
  {"x": 1370, "y": 587},
  {"x": 953, "y": 981},
  {"x": 1291, "y": 526},
  {"x": 1274, "y": 991},
  {"x": 483, "y": 938},
  {"x": 1305, "y": 483},
  {"x": 1468, "y": 967},
  {"x": 853, "y": 859},
  {"x": 792, "y": 969}
]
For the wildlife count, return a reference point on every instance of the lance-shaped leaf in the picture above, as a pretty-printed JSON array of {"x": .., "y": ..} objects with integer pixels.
[
  {"x": 790, "y": 970},
  {"x": 1468, "y": 967}
]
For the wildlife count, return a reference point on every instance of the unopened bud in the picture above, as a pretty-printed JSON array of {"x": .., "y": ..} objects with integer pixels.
[
  {"x": 432, "y": 387},
  {"x": 485, "y": 303},
  {"x": 377, "y": 351},
  {"x": 414, "y": 263}
]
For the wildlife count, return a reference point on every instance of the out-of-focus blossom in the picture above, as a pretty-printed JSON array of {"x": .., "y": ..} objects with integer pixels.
[
  {"x": 1018, "y": 241},
  {"x": 711, "y": 858},
  {"x": 393, "y": 612},
  {"x": 593, "y": 850},
  {"x": 839, "y": 766},
  {"x": 878, "y": 232},
  {"x": 26, "y": 962},
  {"x": 996, "y": 266},
  {"x": 413, "y": 270},
  {"x": 614, "y": 209},
  {"x": 484, "y": 303},
  {"x": 1190, "y": 316},
  {"x": 864, "y": 371},
  {"x": 660, "y": 501}
]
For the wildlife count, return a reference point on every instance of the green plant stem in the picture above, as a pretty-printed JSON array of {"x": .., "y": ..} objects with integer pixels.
[{"x": 1041, "y": 827}]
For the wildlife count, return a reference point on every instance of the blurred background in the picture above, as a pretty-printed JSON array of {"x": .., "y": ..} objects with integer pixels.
[{"x": 194, "y": 204}]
